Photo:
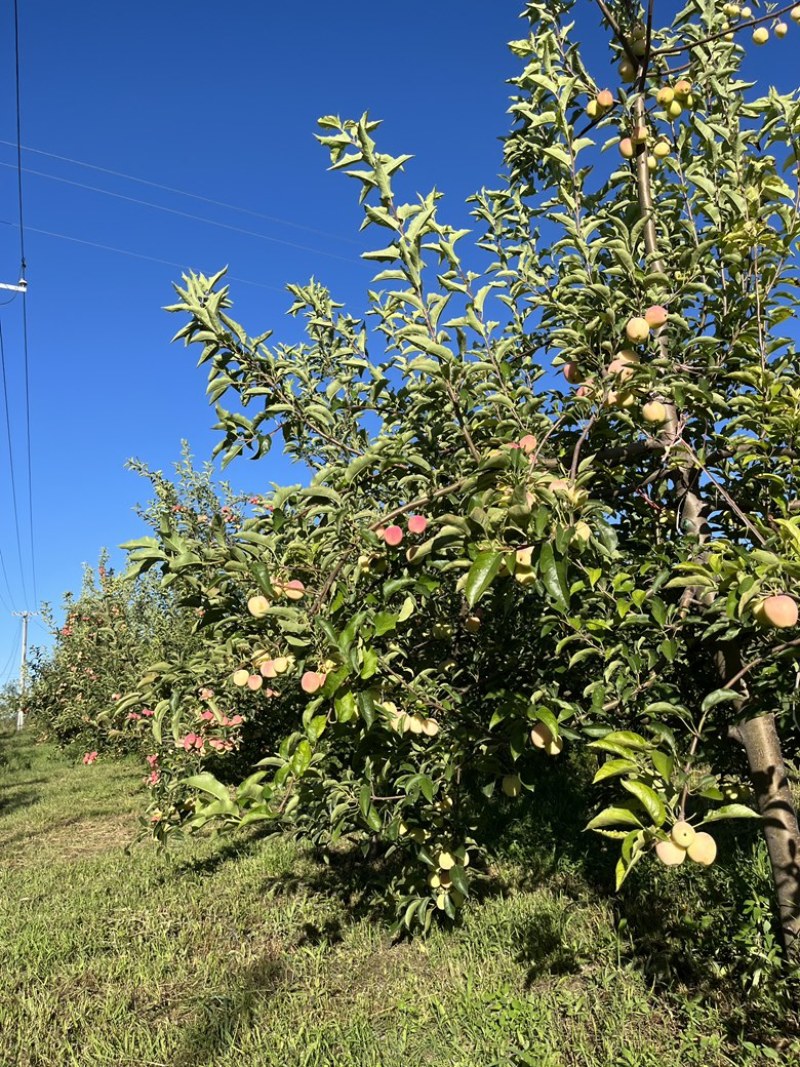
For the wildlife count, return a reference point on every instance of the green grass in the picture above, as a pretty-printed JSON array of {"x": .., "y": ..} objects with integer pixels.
[{"x": 252, "y": 953}]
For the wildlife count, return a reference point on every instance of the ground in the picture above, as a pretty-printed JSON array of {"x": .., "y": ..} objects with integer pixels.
[{"x": 254, "y": 952}]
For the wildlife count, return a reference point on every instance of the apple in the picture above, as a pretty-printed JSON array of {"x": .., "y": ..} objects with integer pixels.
[
  {"x": 472, "y": 624},
  {"x": 528, "y": 443},
  {"x": 254, "y": 681},
  {"x": 781, "y": 29},
  {"x": 294, "y": 589},
  {"x": 795, "y": 13},
  {"x": 240, "y": 677},
  {"x": 621, "y": 366},
  {"x": 417, "y": 524},
  {"x": 258, "y": 606},
  {"x": 446, "y": 861},
  {"x": 524, "y": 557},
  {"x": 542, "y": 737},
  {"x": 430, "y": 727},
  {"x": 703, "y": 849},
  {"x": 267, "y": 669},
  {"x": 605, "y": 99},
  {"x": 637, "y": 329},
  {"x": 639, "y": 134},
  {"x": 573, "y": 373},
  {"x": 512, "y": 785},
  {"x": 674, "y": 110},
  {"x": 683, "y": 88},
  {"x": 312, "y": 681},
  {"x": 393, "y": 535},
  {"x": 621, "y": 398},
  {"x": 670, "y": 854},
  {"x": 760, "y": 35},
  {"x": 626, "y": 148},
  {"x": 661, "y": 150},
  {"x": 281, "y": 664},
  {"x": 746, "y": 12},
  {"x": 593, "y": 109},
  {"x": 654, "y": 411},
  {"x": 627, "y": 70},
  {"x": 778, "y": 612},
  {"x": 665, "y": 96},
  {"x": 583, "y": 531},
  {"x": 682, "y": 834},
  {"x": 656, "y": 315}
]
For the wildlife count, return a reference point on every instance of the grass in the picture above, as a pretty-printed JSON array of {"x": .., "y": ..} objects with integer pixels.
[{"x": 254, "y": 953}]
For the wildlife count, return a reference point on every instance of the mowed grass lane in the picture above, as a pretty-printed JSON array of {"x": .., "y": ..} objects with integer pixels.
[{"x": 252, "y": 953}]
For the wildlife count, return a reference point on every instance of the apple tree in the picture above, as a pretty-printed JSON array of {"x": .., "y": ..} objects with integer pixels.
[{"x": 552, "y": 468}]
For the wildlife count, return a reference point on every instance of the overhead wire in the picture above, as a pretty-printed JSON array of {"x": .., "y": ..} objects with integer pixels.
[
  {"x": 184, "y": 214},
  {"x": 5, "y": 675},
  {"x": 137, "y": 255},
  {"x": 13, "y": 474},
  {"x": 183, "y": 192},
  {"x": 23, "y": 270}
]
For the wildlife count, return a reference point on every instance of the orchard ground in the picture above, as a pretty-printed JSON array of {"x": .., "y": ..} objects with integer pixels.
[{"x": 255, "y": 951}]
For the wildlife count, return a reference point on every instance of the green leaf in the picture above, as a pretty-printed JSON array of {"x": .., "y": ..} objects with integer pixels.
[
  {"x": 552, "y": 576},
  {"x": 650, "y": 800},
  {"x": 611, "y": 768},
  {"x": 626, "y": 738},
  {"x": 207, "y": 783},
  {"x": 717, "y": 697},
  {"x": 481, "y": 575},
  {"x": 384, "y": 623},
  {"x": 614, "y": 817},
  {"x": 261, "y": 574},
  {"x": 370, "y": 663},
  {"x": 458, "y": 876},
  {"x": 663, "y": 764},
  {"x": 731, "y": 811},
  {"x": 301, "y": 758},
  {"x": 316, "y": 727}
]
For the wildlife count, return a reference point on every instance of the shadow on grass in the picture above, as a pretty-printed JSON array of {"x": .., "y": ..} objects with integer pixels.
[
  {"x": 16, "y": 800},
  {"x": 344, "y": 876},
  {"x": 233, "y": 850},
  {"x": 221, "y": 1018},
  {"x": 709, "y": 932},
  {"x": 53, "y": 829}
]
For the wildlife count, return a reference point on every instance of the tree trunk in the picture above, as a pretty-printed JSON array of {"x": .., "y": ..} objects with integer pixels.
[{"x": 762, "y": 745}]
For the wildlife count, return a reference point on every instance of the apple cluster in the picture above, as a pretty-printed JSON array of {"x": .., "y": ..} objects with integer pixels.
[{"x": 685, "y": 841}]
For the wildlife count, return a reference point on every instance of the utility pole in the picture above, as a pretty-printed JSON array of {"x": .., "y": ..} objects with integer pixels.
[{"x": 23, "y": 664}]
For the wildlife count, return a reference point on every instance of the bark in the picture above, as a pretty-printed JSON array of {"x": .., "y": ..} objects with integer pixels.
[{"x": 759, "y": 736}]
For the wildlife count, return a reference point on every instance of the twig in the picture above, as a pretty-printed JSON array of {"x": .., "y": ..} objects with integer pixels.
[{"x": 723, "y": 33}]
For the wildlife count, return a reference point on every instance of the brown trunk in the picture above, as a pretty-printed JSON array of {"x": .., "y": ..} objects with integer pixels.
[{"x": 762, "y": 745}]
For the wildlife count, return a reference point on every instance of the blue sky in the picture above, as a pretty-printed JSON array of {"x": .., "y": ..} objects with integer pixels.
[{"x": 222, "y": 103}]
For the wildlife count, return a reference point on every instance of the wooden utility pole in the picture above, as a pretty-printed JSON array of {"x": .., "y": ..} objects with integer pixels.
[{"x": 23, "y": 664}]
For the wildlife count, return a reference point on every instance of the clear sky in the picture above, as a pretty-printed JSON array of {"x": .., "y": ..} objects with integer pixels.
[{"x": 220, "y": 101}]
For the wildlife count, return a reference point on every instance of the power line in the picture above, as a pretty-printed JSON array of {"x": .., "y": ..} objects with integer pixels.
[
  {"x": 183, "y": 192},
  {"x": 11, "y": 467},
  {"x": 184, "y": 214},
  {"x": 23, "y": 267},
  {"x": 19, "y": 139},
  {"x": 5, "y": 675},
  {"x": 28, "y": 440},
  {"x": 139, "y": 255}
]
